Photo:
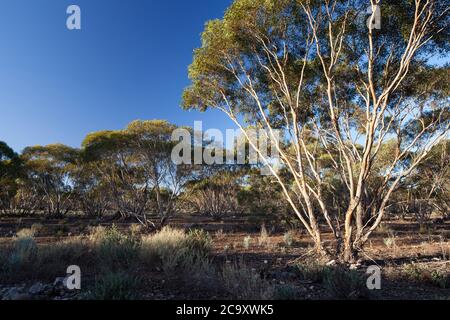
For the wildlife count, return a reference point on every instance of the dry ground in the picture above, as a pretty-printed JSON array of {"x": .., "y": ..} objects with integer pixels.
[{"x": 413, "y": 259}]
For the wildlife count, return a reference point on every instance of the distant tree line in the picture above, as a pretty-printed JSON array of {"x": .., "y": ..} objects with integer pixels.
[{"x": 129, "y": 173}]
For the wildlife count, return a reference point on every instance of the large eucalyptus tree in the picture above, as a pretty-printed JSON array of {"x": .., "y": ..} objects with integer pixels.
[
  {"x": 136, "y": 167},
  {"x": 339, "y": 91}
]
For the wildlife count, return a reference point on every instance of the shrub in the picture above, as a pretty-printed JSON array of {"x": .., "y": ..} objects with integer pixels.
[
  {"x": 440, "y": 279},
  {"x": 115, "y": 286},
  {"x": 19, "y": 261},
  {"x": 288, "y": 238},
  {"x": 174, "y": 250},
  {"x": 25, "y": 251},
  {"x": 286, "y": 292},
  {"x": 244, "y": 283},
  {"x": 263, "y": 236},
  {"x": 220, "y": 235},
  {"x": 413, "y": 272},
  {"x": 173, "y": 262},
  {"x": 198, "y": 272},
  {"x": 313, "y": 272},
  {"x": 55, "y": 258},
  {"x": 25, "y": 233},
  {"x": 389, "y": 241},
  {"x": 114, "y": 248},
  {"x": 68, "y": 250},
  {"x": 135, "y": 230},
  {"x": 384, "y": 228},
  {"x": 199, "y": 242},
  {"x": 162, "y": 246},
  {"x": 37, "y": 228},
  {"x": 96, "y": 233},
  {"x": 247, "y": 241},
  {"x": 342, "y": 283}
]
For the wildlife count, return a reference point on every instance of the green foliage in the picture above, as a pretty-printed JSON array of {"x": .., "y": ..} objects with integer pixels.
[
  {"x": 115, "y": 249},
  {"x": 311, "y": 271},
  {"x": 342, "y": 283},
  {"x": 11, "y": 168},
  {"x": 19, "y": 260},
  {"x": 288, "y": 238},
  {"x": 286, "y": 292},
  {"x": 134, "y": 167},
  {"x": 242, "y": 282},
  {"x": 24, "y": 253},
  {"x": 215, "y": 192},
  {"x": 115, "y": 286},
  {"x": 174, "y": 250},
  {"x": 48, "y": 171},
  {"x": 417, "y": 273},
  {"x": 9, "y": 162},
  {"x": 413, "y": 272},
  {"x": 162, "y": 245},
  {"x": 199, "y": 242},
  {"x": 311, "y": 69},
  {"x": 440, "y": 279}
]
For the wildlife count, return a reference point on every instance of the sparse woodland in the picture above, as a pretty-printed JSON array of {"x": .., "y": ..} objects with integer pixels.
[{"x": 363, "y": 175}]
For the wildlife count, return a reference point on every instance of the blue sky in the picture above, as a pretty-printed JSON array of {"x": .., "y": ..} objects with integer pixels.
[{"x": 128, "y": 62}]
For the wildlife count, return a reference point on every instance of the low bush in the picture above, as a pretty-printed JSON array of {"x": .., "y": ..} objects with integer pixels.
[
  {"x": 440, "y": 279},
  {"x": 286, "y": 292},
  {"x": 37, "y": 228},
  {"x": 242, "y": 282},
  {"x": 264, "y": 238},
  {"x": 173, "y": 249},
  {"x": 114, "y": 286},
  {"x": 246, "y": 242},
  {"x": 26, "y": 233},
  {"x": 115, "y": 249},
  {"x": 19, "y": 259},
  {"x": 54, "y": 259},
  {"x": 164, "y": 247},
  {"x": 342, "y": 283},
  {"x": 413, "y": 272},
  {"x": 199, "y": 242},
  {"x": 437, "y": 278},
  {"x": 288, "y": 238},
  {"x": 311, "y": 271}
]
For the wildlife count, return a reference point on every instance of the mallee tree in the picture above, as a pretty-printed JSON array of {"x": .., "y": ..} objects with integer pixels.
[{"x": 340, "y": 92}]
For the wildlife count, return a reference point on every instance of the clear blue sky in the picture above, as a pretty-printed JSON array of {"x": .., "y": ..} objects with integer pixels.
[{"x": 128, "y": 62}]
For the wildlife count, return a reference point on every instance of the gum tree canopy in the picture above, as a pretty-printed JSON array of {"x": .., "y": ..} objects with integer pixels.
[
  {"x": 135, "y": 163},
  {"x": 10, "y": 166},
  {"x": 341, "y": 92}
]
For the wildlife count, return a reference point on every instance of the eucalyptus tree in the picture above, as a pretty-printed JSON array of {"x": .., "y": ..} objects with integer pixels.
[
  {"x": 10, "y": 169},
  {"x": 428, "y": 190},
  {"x": 135, "y": 163},
  {"x": 48, "y": 173},
  {"x": 314, "y": 70},
  {"x": 152, "y": 143},
  {"x": 261, "y": 194},
  {"x": 110, "y": 153},
  {"x": 434, "y": 178},
  {"x": 92, "y": 193},
  {"x": 215, "y": 194}
]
